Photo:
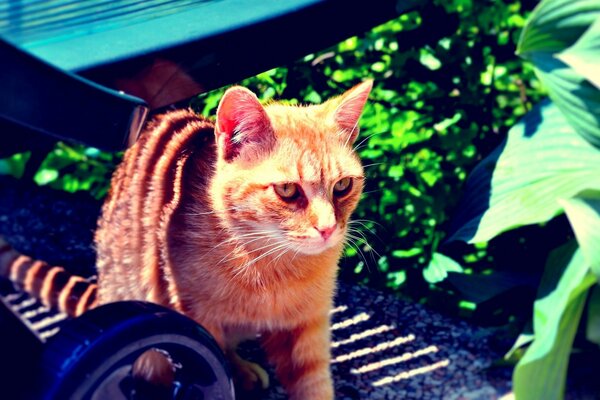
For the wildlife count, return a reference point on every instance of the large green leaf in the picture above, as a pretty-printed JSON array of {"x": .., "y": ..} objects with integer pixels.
[
  {"x": 583, "y": 212},
  {"x": 584, "y": 55},
  {"x": 568, "y": 27},
  {"x": 576, "y": 97},
  {"x": 541, "y": 373},
  {"x": 555, "y": 25},
  {"x": 543, "y": 160}
]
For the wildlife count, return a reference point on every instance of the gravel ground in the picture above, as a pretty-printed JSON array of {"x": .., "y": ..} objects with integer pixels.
[{"x": 384, "y": 348}]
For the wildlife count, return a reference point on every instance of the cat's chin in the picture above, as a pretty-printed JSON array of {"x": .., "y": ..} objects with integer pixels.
[{"x": 311, "y": 248}]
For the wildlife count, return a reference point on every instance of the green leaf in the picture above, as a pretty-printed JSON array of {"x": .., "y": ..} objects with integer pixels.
[
  {"x": 541, "y": 373},
  {"x": 415, "y": 251},
  {"x": 584, "y": 215},
  {"x": 542, "y": 160},
  {"x": 45, "y": 176},
  {"x": 584, "y": 55},
  {"x": 555, "y": 25},
  {"x": 438, "y": 268},
  {"x": 593, "y": 317},
  {"x": 522, "y": 340},
  {"x": 576, "y": 97}
]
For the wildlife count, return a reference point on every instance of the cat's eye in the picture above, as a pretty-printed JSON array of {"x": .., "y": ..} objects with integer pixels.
[
  {"x": 342, "y": 187},
  {"x": 287, "y": 191}
]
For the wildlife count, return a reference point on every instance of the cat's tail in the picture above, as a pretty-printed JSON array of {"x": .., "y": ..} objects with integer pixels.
[{"x": 52, "y": 285}]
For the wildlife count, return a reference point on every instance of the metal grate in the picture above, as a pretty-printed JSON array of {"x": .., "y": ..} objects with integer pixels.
[{"x": 41, "y": 320}]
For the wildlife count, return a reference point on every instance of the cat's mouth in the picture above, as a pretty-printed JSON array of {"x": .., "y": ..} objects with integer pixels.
[{"x": 315, "y": 244}]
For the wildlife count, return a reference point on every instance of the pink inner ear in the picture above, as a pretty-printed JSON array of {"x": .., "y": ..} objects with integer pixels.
[
  {"x": 351, "y": 107},
  {"x": 241, "y": 120}
]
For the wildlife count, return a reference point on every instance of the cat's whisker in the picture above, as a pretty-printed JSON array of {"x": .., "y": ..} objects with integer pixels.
[
  {"x": 361, "y": 238},
  {"x": 197, "y": 214},
  {"x": 351, "y": 225},
  {"x": 364, "y": 239},
  {"x": 372, "y": 165},
  {"x": 370, "y": 221},
  {"x": 268, "y": 253},
  {"x": 269, "y": 246},
  {"x": 371, "y": 191},
  {"x": 361, "y": 224},
  {"x": 277, "y": 258},
  {"x": 349, "y": 242},
  {"x": 253, "y": 235},
  {"x": 357, "y": 147}
]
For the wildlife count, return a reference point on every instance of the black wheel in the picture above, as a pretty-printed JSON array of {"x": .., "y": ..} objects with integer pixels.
[{"x": 92, "y": 357}]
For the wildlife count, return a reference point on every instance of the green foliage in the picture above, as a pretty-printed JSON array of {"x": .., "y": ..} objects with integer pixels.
[
  {"x": 523, "y": 181},
  {"x": 541, "y": 373},
  {"x": 549, "y": 165},
  {"x": 73, "y": 168},
  {"x": 565, "y": 60},
  {"x": 14, "y": 165}
]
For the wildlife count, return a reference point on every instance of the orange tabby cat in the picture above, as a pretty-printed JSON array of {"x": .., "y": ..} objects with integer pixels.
[{"x": 242, "y": 232}]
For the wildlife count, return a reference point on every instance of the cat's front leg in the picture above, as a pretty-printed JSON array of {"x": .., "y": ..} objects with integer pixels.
[{"x": 301, "y": 357}]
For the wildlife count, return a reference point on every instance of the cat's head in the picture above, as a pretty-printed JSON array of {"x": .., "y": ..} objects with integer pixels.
[{"x": 287, "y": 176}]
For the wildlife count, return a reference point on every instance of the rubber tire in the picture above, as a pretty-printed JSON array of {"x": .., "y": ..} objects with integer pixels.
[{"x": 78, "y": 362}]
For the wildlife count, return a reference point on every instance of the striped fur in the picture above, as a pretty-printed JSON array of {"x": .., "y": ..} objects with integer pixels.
[
  {"x": 52, "y": 285},
  {"x": 144, "y": 192}
]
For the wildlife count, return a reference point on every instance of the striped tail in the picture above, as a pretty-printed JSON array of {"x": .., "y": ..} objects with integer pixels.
[{"x": 52, "y": 285}]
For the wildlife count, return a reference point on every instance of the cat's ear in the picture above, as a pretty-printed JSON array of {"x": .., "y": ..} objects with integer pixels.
[
  {"x": 242, "y": 124},
  {"x": 350, "y": 106}
]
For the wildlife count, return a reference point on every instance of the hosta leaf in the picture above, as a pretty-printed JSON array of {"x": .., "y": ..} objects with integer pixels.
[
  {"x": 555, "y": 25},
  {"x": 593, "y": 318},
  {"x": 541, "y": 373},
  {"x": 584, "y": 55},
  {"x": 575, "y": 96},
  {"x": 522, "y": 340},
  {"x": 568, "y": 27},
  {"x": 583, "y": 212},
  {"x": 541, "y": 161}
]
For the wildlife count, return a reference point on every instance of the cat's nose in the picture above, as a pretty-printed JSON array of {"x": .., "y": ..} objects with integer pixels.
[{"x": 326, "y": 231}]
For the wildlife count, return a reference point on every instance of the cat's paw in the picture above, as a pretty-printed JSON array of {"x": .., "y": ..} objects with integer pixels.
[{"x": 249, "y": 376}]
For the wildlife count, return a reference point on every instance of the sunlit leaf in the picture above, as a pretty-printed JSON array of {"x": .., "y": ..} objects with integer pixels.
[
  {"x": 396, "y": 279},
  {"x": 438, "y": 268},
  {"x": 415, "y": 251},
  {"x": 543, "y": 160},
  {"x": 45, "y": 176},
  {"x": 558, "y": 26},
  {"x": 555, "y": 25},
  {"x": 583, "y": 212},
  {"x": 584, "y": 55},
  {"x": 541, "y": 373},
  {"x": 575, "y": 96}
]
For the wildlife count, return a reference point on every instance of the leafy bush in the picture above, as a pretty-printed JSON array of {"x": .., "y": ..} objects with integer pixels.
[{"x": 550, "y": 164}]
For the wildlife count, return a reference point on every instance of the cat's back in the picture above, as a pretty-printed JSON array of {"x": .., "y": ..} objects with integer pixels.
[{"x": 145, "y": 190}]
